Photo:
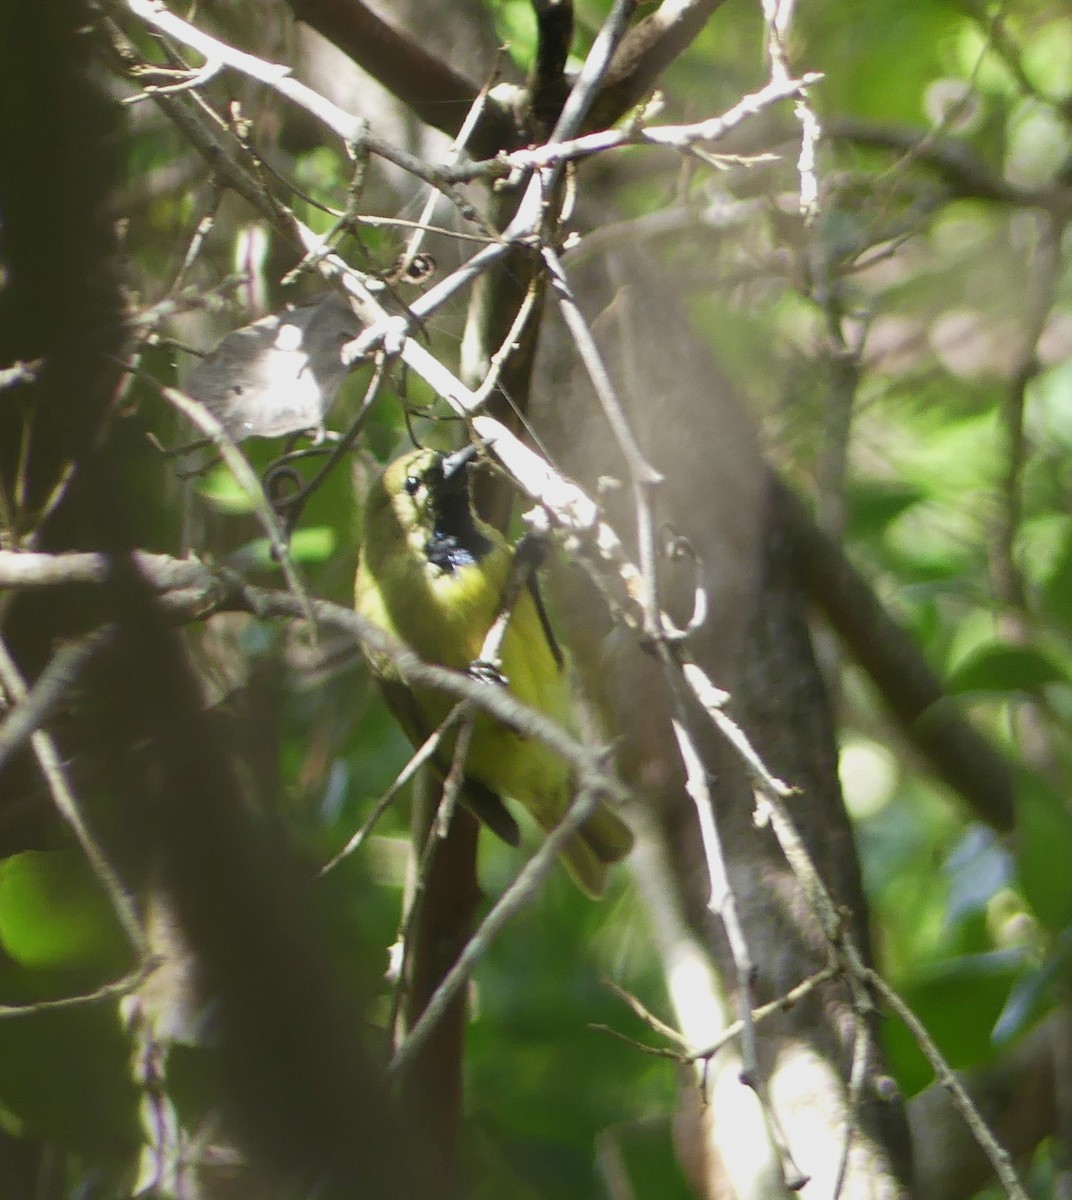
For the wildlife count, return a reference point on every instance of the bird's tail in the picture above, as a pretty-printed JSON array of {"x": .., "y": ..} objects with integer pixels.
[{"x": 603, "y": 839}]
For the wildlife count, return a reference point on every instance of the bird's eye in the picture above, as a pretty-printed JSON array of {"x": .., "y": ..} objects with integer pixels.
[{"x": 412, "y": 485}]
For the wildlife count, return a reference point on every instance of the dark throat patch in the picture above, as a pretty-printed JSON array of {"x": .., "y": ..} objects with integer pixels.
[{"x": 456, "y": 541}]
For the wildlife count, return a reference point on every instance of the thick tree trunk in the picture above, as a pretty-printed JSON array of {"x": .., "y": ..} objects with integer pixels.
[{"x": 717, "y": 492}]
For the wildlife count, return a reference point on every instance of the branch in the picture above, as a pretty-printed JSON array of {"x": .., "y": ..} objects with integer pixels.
[
  {"x": 645, "y": 53},
  {"x": 516, "y": 896},
  {"x": 999, "y": 1158},
  {"x": 117, "y": 989},
  {"x": 437, "y": 94},
  {"x": 440, "y": 96},
  {"x": 189, "y": 590},
  {"x": 955, "y": 163},
  {"x": 547, "y": 78},
  {"x": 675, "y": 137},
  {"x": 49, "y": 690},
  {"x": 51, "y": 764},
  {"x": 959, "y": 754},
  {"x": 1018, "y": 1092},
  {"x": 246, "y": 479},
  {"x": 353, "y": 131}
]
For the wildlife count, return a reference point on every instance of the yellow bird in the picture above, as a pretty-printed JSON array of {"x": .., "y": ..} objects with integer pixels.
[{"x": 432, "y": 575}]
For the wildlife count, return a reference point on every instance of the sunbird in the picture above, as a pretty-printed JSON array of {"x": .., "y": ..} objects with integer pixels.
[{"x": 433, "y": 575}]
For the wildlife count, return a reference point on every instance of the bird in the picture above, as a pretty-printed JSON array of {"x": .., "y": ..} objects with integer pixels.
[{"x": 432, "y": 575}]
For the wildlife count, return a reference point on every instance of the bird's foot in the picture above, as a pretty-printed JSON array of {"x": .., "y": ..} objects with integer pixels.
[{"x": 487, "y": 672}]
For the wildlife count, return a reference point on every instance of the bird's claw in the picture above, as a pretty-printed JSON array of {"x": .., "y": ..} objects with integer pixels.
[{"x": 487, "y": 672}]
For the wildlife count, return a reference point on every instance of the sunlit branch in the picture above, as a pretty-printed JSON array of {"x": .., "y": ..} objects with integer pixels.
[
  {"x": 672, "y": 137},
  {"x": 352, "y": 130}
]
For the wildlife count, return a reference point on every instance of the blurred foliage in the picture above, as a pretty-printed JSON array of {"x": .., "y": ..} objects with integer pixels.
[{"x": 934, "y": 290}]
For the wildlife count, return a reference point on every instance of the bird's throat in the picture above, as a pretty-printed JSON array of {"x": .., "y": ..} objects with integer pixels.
[{"x": 456, "y": 540}]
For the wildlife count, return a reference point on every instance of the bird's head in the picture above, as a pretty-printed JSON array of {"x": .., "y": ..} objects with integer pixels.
[{"x": 423, "y": 497}]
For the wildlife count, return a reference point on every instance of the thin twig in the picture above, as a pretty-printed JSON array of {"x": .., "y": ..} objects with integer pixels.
[
  {"x": 51, "y": 688},
  {"x": 417, "y": 760},
  {"x": 108, "y": 991},
  {"x": 720, "y": 896},
  {"x": 352, "y": 130},
  {"x": 509, "y": 345},
  {"x": 784, "y": 1002},
  {"x": 857, "y": 1081},
  {"x": 648, "y": 1017},
  {"x": 432, "y": 89},
  {"x": 643, "y": 1047},
  {"x": 51, "y": 766},
  {"x": 472, "y": 118},
  {"x": 778, "y": 15},
  {"x": 244, "y": 476},
  {"x": 293, "y": 505},
  {"x": 999, "y": 1157},
  {"x": 190, "y": 590},
  {"x": 555, "y": 152},
  {"x": 646, "y": 51},
  {"x": 590, "y": 356},
  {"x": 596, "y": 65},
  {"x": 516, "y": 896}
]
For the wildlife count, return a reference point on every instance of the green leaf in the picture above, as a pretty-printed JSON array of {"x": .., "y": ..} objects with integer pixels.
[
  {"x": 999, "y": 667},
  {"x": 887, "y": 85},
  {"x": 875, "y": 503},
  {"x": 516, "y": 26},
  {"x": 960, "y": 1003},
  {"x": 67, "y": 1079},
  {"x": 1034, "y": 994},
  {"x": 1044, "y": 850},
  {"x": 314, "y": 545},
  {"x": 222, "y": 490},
  {"x": 1057, "y": 588},
  {"x": 53, "y": 913}
]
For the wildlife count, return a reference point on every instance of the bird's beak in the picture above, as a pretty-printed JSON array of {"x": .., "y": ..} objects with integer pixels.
[{"x": 459, "y": 461}]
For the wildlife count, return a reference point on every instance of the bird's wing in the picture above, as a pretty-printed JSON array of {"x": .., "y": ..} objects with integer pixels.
[
  {"x": 485, "y": 805},
  {"x": 529, "y": 554},
  {"x": 545, "y": 623}
]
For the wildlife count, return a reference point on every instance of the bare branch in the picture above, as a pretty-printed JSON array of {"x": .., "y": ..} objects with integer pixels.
[
  {"x": 243, "y": 474},
  {"x": 596, "y": 66},
  {"x": 960, "y": 755},
  {"x": 108, "y": 991},
  {"x": 509, "y": 904},
  {"x": 420, "y": 756},
  {"x": 999, "y": 1157},
  {"x": 648, "y": 1017},
  {"x": 51, "y": 765},
  {"x": 352, "y": 130},
  {"x": 1018, "y": 1092},
  {"x": 674, "y": 137},
  {"x": 274, "y": 75},
  {"x": 791, "y": 997},
  {"x": 547, "y": 78},
  {"x": 955, "y": 163},
  {"x": 190, "y": 590},
  {"x": 50, "y": 689},
  {"x": 646, "y": 52},
  {"x": 438, "y": 94}
]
